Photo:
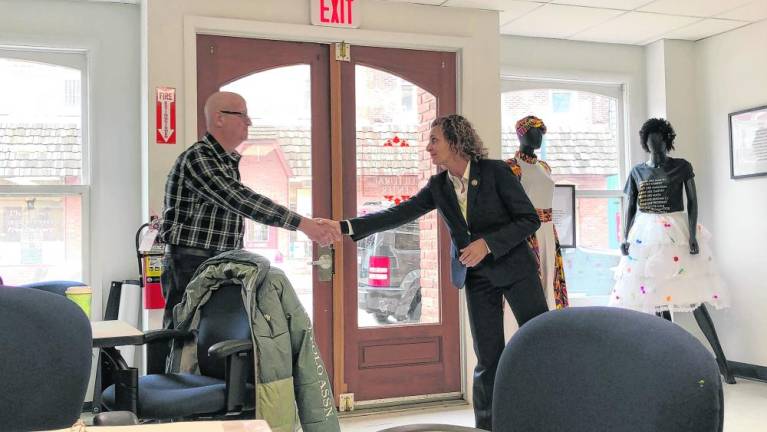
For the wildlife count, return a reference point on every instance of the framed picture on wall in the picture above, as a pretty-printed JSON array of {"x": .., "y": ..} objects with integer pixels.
[
  {"x": 563, "y": 209},
  {"x": 748, "y": 143}
]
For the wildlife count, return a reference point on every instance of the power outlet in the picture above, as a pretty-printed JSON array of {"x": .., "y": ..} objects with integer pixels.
[{"x": 346, "y": 402}]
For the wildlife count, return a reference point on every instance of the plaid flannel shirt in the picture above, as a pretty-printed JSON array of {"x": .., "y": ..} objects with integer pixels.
[{"x": 205, "y": 201}]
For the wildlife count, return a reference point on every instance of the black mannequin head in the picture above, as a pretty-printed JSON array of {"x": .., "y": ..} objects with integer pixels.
[
  {"x": 657, "y": 136},
  {"x": 530, "y": 131},
  {"x": 530, "y": 141}
]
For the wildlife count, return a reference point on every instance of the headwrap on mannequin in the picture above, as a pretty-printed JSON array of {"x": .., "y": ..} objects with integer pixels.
[{"x": 526, "y": 123}]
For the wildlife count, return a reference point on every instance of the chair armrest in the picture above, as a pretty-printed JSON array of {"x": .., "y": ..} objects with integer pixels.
[
  {"x": 227, "y": 348},
  {"x": 430, "y": 428},
  {"x": 115, "y": 418},
  {"x": 239, "y": 360},
  {"x": 164, "y": 334}
]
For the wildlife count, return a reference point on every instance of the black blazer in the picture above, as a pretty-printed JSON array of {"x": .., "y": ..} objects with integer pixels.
[{"x": 498, "y": 210}]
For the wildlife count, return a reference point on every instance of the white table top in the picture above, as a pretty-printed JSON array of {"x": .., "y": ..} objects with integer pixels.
[
  {"x": 194, "y": 426},
  {"x": 112, "y": 329}
]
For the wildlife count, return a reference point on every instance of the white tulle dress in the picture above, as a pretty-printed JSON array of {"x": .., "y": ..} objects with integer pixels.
[{"x": 659, "y": 273}]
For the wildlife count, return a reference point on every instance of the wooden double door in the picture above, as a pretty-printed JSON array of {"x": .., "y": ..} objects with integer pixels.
[{"x": 334, "y": 139}]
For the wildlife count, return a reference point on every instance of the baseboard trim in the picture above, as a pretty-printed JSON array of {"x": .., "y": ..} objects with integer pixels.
[{"x": 748, "y": 371}]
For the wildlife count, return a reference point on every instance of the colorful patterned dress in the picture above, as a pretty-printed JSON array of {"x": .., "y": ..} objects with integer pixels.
[{"x": 535, "y": 176}]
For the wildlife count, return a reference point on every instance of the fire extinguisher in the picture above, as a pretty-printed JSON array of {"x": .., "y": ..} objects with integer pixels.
[{"x": 149, "y": 251}]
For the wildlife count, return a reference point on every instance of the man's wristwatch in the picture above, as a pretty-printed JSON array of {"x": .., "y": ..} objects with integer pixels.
[{"x": 344, "y": 227}]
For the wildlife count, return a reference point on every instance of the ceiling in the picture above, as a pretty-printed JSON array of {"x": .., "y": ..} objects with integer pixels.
[{"x": 635, "y": 22}]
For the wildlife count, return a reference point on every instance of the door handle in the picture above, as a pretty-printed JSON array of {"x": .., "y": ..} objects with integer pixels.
[{"x": 324, "y": 263}]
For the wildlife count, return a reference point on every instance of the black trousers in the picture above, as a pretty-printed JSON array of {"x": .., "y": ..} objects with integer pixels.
[
  {"x": 179, "y": 265},
  {"x": 485, "y": 306}
]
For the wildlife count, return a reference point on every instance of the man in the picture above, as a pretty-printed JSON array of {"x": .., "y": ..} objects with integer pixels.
[
  {"x": 205, "y": 202},
  {"x": 489, "y": 218}
]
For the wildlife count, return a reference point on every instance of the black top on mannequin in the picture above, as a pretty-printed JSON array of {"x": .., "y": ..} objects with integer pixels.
[
  {"x": 530, "y": 141},
  {"x": 657, "y": 139}
]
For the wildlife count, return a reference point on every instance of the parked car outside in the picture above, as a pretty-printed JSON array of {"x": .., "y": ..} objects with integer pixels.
[{"x": 389, "y": 273}]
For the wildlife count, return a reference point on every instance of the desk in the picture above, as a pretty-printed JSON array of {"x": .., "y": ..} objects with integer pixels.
[
  {"x": 115, "y": 333},
  {"x": 106, "y": 336},
  {"x": 196, "y": 426}
]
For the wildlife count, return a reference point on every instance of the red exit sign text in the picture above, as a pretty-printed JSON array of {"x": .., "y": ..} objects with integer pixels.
[{"x": 336, "y": 13}]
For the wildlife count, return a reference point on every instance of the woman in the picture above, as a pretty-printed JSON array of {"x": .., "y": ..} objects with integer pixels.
[
  {"x": 489, "y": 218},
  {"x": 535, "y": 176},
  {"x": 667, "y": 264}
]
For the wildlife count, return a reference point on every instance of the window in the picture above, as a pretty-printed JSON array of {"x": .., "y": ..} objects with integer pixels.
[
  {"x": 43, "y": 169},
  {"x": 256, "y": 232},
  {"x": 584, "y": 146},
  {"x": 560, "y": 102},
  {"x": 72, "y": 92}
]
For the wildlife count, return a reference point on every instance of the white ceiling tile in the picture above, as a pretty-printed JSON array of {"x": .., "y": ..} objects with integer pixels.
[
  {"x": 498, "y": 5},
  {"x": 515, "y": 9},
  {"x": 754, "y": 11},
  {"x": 558, "y": 21},
  {"x": 426, "y": 2},
  {"x": 607, "y": 4},
  {"x": 634, "y": 28},
  {"x": 698, "y": 8},
  {"x": 705, "y": 28}
]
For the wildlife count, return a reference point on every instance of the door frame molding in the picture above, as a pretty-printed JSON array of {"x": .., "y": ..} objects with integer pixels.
[{"x": 194, "y": 25}]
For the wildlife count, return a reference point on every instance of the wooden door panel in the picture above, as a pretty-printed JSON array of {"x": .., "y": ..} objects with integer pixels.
[{"x": 398, "y": 361}]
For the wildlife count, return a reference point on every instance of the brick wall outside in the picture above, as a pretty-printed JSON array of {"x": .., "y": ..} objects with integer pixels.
[
  {"x": 264, "y": 171},
  {"x": 430, "y": 287}
]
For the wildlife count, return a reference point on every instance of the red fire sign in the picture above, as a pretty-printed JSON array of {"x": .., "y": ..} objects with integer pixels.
[{"x": 166, "y": 115}]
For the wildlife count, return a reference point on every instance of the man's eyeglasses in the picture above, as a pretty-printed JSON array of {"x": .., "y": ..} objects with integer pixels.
[{"x": 240, "y": 114}]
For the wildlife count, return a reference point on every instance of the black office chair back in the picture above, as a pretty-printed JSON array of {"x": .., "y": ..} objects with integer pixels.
[
  {"x": 45, "y": 364},
  {"x": 222, "y": 318},
  {"x": 56, "y": 286},
  {"x": 606, "y": 369}
]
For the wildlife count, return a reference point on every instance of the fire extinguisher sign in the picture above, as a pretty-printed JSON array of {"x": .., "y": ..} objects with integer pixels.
[{"x": 166, "y": 115}]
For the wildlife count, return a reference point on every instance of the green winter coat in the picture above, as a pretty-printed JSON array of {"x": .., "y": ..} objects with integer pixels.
[{"x": 290, "y": 371}]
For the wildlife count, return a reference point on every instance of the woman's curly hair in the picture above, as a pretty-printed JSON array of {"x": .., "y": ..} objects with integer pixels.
[
  {"x": 461, "y": 136},
  {"x": 657, "y": 125}
]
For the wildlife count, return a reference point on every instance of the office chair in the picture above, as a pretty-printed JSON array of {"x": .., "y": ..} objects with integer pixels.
[
  {"x": 45, "y": 362},
  {"x": 224, "y": 350},
  {"x": 593, "y": 369}
]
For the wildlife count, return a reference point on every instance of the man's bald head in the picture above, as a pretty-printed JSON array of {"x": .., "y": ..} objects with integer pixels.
[
  {"x": 218, "y": 101},
  {"x": 226, "y": 119}
]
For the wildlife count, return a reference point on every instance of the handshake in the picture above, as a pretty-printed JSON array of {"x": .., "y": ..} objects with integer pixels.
[{"x": 322, "y": 231}]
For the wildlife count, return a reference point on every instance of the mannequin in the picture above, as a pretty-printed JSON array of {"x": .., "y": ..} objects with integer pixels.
[
  {"x": 535, "y": 176},
  {"x": 667, "y": 265}
]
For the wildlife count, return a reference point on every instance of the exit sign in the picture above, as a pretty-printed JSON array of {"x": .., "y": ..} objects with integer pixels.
[{"x": 336, "y": 13}]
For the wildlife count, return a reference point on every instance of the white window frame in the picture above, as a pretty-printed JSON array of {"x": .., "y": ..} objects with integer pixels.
[
  {"x": 75, "y": 59},
  {"x": 613, "y": 90}
]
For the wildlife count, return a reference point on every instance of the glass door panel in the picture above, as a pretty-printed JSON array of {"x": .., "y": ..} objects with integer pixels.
[
  {"x": 397, "y": 269},
  {"x": 276, "y": 162}
]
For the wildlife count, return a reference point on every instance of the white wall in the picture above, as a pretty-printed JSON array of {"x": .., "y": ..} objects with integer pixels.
[
  {"x": 655, "y": 64},
  {"x": 109, "y": 34},
  {"x": 731, "y": 76},
  {"x": 671, "y": 85}
]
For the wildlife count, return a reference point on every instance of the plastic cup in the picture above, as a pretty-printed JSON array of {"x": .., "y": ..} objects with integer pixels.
[{"x": 82, "y": 296}]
